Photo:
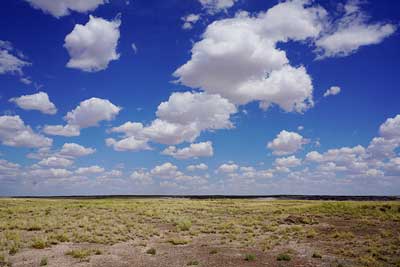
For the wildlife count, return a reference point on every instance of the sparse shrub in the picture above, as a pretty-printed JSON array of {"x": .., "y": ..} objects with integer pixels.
[
  {"x": 343, "y": 235},
  {"x": 97, "y": 252},
  {"x": 311, "y": 233},
  {"x": 79, "y": 253},
  {"x": 14, "y": 249},
  {"x": 39, "y": 243},
  {"x": 184, "y": 225},
  {"x": 250, "y": 257},
  {"x": 283, "y": 257},
  {"x": 62, "y": 238},
  {"x": 43, "y": 262},
  {"x": 191, "y": 263},
  {"x": 34, "y": 227},
  {"x": 214, "y": 251},
  {"x": 2, "y": 260},
  {"x": 316, "y": 255},
  {"x": 47, "y": 211},
  {"x": 176, "y": 241},
  {"x": 151, "y": 251}
]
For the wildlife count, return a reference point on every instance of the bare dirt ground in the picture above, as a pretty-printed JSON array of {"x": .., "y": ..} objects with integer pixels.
[
  {"x": 130, "y": 254},
  {"x": 182, "y": 232}
]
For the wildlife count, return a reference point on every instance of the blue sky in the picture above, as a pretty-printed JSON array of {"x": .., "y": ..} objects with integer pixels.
[{"x": 199, "y": 97}]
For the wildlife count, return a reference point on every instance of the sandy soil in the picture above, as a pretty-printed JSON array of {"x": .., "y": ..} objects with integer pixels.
[{"x": 199, "y": 251}]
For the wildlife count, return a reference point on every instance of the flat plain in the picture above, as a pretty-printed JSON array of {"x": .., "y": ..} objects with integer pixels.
[{"x": 187, "y": 232}]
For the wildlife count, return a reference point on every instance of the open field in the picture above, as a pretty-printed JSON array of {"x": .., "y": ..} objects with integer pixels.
[{"x": 184, "y": 232}]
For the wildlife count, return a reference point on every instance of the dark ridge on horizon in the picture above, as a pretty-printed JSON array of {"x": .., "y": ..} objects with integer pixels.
[{"x": 280, "y": 197}]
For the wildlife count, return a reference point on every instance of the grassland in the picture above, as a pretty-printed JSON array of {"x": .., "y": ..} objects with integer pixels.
[{"x": 183, "y": 232}]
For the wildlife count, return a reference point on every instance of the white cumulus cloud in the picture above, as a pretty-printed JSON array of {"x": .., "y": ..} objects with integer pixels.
[
  {"x": 203, "y": 149},
  {"x": 59, "y": 8},
  {"x": 351, "y": 32},
  {"x": 88, "y": 113},
  {"x": 287, "y": 143},
  {"x": 55, "y": 162},
  {"x": 128, "y": 144},
  {"x": 227, "y": 168},
  {"x": 181, "y": 119},
  {"x": 14, "y": 132},
  {"x": 39, "y": 101},
  {"x": 94, "y": 45},
  {"x": 288, "y": 162},
  {"x": 166, "y": 171},
  {"x": 253, "y": 68},
  {"x": 10, "y": 62},
  {"x": 73, "y": 150}
]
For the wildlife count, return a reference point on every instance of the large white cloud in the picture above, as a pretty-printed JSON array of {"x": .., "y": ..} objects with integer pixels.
[
  {"x": 92, "y": 46},
  {"x": 205, "y": 110},
  {"x": 91, "y": 111},
  {"x": 87, "y": 114},
  {"x": 73, "y": 150},
  {"x": 39, "y": 101},
  {"x": 351, "y": 32},
  {"x": 14, "y": 132},
  {"x": 391, "y": 128},
  {"x": 287, "y": 143},
  {"x": 11, "y": 63},
  {"x": 385, "y": 145},
  {"x": 253, "y": 68},
  {"x": 169, "y": 133},
  {"x": 180, "y": 119},
  {"x": 203, "y": 149},
  {"x": 59, "y": 8}
]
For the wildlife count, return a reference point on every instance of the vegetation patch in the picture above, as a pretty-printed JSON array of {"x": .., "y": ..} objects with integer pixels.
[
  {"x": 283, "y": 257},
  {"x": 80, "y": 254},
  {"x": 151, "y": 251},
  {"x": 250, "y": 257}
]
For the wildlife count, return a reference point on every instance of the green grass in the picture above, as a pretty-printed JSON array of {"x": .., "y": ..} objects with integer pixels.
[
  {"x": 283, "y": 257},
  {"x": 250, "y": 257}
]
